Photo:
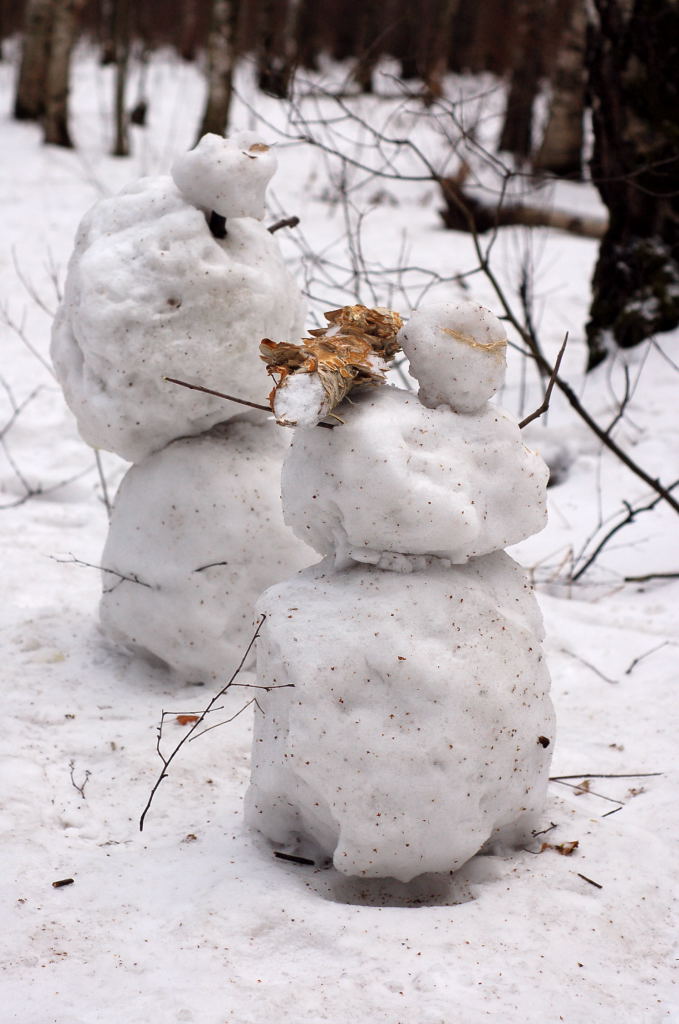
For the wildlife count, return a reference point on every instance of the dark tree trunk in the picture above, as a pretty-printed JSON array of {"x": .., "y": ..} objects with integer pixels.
[
  {"x": 121, "y": 36},
  {"x": 276, "y": 46},
  {"x": 29, "y": 102},
  {"x": 517, "y": 129},
  {"x": 64, "y": 30},
  {"x": 561, "y": 148},
  {"x": 219, "y": 70},
  {"x": 633, "y": 56}
]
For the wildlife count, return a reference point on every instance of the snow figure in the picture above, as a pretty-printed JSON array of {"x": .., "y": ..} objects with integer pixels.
[
  {"x": 419, "y": 726},
  {"x": 175, "y": 277},
  {"x": 152, "y": 293}
]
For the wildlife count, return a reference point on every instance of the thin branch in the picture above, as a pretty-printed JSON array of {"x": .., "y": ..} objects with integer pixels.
[
  {"x": 544, "y": 406},
  {"x": 614, "y": 775},
  {"x": 167, "y": 761},
  {"x": 102, "y": 481},
  {"x": 635, "y": 661},
  {"x": 230, "y": 398},
  {"x": 632, "y": 513},
  {"x": 133, "y": 578}
]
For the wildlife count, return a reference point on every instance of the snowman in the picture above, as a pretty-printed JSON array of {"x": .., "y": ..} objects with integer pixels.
[
  {"x": 177, "y": 277},
  {"x": 407, "y": 720}
]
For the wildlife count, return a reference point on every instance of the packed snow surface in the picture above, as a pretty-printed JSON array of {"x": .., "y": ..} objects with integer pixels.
[
  {"x": 301, "y": 401},
  {"x": 151, "y": 293},
  {"x": 196, "y": 534},
  {"x": 228, "y": 176},
  {"x": 457, "y": 353},
  {"x": 411, "y": 734},
  {"x": 399, "y": 478}
]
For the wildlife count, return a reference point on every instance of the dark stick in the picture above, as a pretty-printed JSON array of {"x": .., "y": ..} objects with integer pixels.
[
  {"x": 652, "y": 576},
  {"x": 230, "y": 398},
  {"x": 589, "y": 775},
  {"x": 614, "y": 811},
  {"x": 591, "y": 882},
  {"x": 550, "y": 387},
  {"x": 287, "y": 222},
  {"x": 294, "y": 859},
  {"x": 62, "y": 882}
]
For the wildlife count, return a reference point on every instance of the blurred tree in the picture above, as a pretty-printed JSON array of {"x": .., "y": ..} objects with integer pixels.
[
  {"x": 64, "y": 31},
  {"x": 220, "y": 61},
  {"x": 561, "y": 148},
  {"x": 632, "y": 59},
  {"x": 29, "y": 102}
]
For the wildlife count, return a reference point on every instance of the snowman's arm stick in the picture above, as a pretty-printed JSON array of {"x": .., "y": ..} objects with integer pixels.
[
  {"x": 544, "y": 406},
  {"x": 229, "y": 398}
]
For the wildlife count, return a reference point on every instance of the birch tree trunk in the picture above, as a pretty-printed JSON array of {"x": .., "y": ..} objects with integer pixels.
[
  {"x": 64, "y": 29},
  {"x": 634, "y": 91},
  {"x": 29, "y": 102},
  {"x": 561, "y": 148},
  {"x": 219, "y": 70}
]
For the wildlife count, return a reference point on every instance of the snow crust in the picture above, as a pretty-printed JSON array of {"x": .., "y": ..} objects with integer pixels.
[
  {"x": 301, "y": 401},
  {"x": 400, "y": 478},
  {"x": 151, "y": 293},
  {"x": 410, "y": 737},
  {"x": 200, "y": 523},
  {"x": 457, "y": 353},
  {"x": 228, "y": 176}
]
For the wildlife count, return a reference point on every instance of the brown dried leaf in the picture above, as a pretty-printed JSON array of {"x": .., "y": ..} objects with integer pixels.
[
  {"x": 187, "y": 719},
  {"x": 583, "y": 787},
  {"x": 565, "y": 849}
]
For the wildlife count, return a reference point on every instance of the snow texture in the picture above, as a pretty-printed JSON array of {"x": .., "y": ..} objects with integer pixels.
[
  {"x": 301, "y": 401},
  {"x": 151, "y": 293},
  {"x": 228, "y": 176},
  {"x": 457, "y": 353},
  {"x": 399, "y": 478},
  {"x": 200, "y": 525},
  {"x": 411, "y": 735}
]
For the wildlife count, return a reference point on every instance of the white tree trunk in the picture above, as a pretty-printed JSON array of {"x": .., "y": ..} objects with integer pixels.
[
  {"x": 561, "y": 149},
  {"x": 219, "y": 70}
]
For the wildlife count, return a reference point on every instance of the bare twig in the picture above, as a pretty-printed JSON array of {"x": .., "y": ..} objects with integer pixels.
[
  {"x": 614, "y": 775},
  {"x": 544, "y": 406},
  {"x": 167, "y": 761},
  {"x": 230, "y": 398},
  {"x": 591, "y": 882},
  {"x": 632, "y": 665},
  {"x": 285, "y": 222},
  {"x": 79, "y": 787},
  {"x": 102, "y": 481},
  {"x": 132, "y": 578},
  {"x": 632, "y": 513}
]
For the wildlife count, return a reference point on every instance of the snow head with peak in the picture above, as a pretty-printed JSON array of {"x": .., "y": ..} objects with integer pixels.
[
  {"x": 152, "y": 292},
  {"x": 420, "y": 726}
]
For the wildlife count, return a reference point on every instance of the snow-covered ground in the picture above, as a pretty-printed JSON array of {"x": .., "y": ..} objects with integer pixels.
[{"x": 193, "y": 919}]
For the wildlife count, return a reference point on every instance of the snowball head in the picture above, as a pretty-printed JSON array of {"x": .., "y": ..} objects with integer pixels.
[
  {"x": 199, "y": 524},
  {"x": 150, "y": 293},
  {"x": 457, "y": 353},
  {"x": 228, "y": 176},
  {"x": 399, "y": 478},
  {"x": 418, "y": 724}
]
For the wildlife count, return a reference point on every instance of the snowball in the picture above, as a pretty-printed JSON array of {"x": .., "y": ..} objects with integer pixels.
[
  {"x": 201, "y": 523},
  {"x": 300, "y": 401},
  {"x": 228, "y": 176},
  {"x": 457, "y": 353},
  {"x": 412, "y": 734},
  {"x": 397, "y": 477},
  {"x": 151, "y": 293}
]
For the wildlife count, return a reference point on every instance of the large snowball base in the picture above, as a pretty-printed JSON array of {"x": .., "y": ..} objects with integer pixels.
[
  {"x": 412, "y": 733},
  {"x": 201, "y": 524}
]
